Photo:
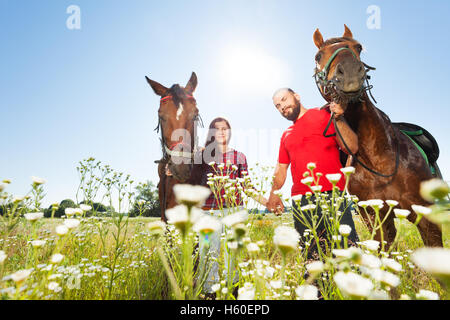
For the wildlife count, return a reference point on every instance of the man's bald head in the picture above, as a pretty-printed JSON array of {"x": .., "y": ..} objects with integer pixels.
[
  {"x": 281, "y": 91},
  {"x": 287, "y": 103}
]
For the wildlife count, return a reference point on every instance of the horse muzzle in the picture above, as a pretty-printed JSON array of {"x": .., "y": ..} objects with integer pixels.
[
  {"x": 349, "y": 77},
  {"x": 181, "y": 172}
]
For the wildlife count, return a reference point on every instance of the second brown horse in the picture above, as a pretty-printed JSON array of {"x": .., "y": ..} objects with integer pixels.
[
  {"x": 178, "y": 116},
  {"x": 395, "y": 167}
]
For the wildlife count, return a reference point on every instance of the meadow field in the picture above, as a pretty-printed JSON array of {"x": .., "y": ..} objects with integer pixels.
[{"x": 83, "y": 256}]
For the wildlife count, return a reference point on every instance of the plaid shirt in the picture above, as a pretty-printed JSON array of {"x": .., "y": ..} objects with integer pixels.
[{"x": 235, "y": 158}]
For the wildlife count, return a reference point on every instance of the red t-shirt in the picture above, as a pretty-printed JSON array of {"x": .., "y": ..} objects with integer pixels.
[{"x": 303, "y": 142}]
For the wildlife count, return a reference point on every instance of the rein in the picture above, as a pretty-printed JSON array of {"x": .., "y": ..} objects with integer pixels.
[
  {"x": 321, "y": 78},
  {"x": 397, "y": 153}
]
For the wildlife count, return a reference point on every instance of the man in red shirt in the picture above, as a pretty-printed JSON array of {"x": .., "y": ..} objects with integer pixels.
[{"x": 303, "y": 143}]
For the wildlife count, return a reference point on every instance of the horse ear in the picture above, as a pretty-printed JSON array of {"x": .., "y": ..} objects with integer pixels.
[
  {"x": 192, "y": 83},
  {"x": 318, "y": 39},
  {"x": 158, "y": 88},
  {"x": 347, "y": 32}
]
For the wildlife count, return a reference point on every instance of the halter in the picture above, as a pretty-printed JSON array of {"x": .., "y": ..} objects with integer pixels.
[
  {"x": 321, "y": 78},
  {"x": 323, "y": 75}
]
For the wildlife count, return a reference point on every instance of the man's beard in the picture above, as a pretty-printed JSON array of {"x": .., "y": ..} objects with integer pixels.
[{"x": 295, "y": 112}]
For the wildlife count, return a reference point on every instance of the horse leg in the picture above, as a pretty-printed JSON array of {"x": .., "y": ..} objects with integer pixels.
[{"x": 431, "y": 233}]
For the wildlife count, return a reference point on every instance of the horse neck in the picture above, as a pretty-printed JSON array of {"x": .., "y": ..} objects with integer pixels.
[{"x": 372, "y": 127}]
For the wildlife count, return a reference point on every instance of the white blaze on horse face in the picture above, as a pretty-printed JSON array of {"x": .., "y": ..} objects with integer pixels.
[{"x": 180, "y": 110}]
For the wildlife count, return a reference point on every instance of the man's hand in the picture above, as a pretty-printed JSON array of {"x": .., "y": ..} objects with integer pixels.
[
  {"x": 337, "y": 109},
  {"x": 274, "y": 204}
]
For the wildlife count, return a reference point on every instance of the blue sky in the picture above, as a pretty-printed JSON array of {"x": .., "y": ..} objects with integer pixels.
[{"x": 66, "y": 95}]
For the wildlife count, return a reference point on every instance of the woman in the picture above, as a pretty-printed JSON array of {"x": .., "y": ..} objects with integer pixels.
[{"x": 225, "y": 198}]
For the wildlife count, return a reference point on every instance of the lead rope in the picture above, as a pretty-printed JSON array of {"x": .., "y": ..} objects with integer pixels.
[{"x": 397, "y": 153}]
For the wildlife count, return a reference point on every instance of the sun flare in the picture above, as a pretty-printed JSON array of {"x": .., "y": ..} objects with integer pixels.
[{"x": 251, "y": 70}]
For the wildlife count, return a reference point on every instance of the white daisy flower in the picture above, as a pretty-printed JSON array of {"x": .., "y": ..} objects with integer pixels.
[
  {"x": 348, "y": 170},
  {"x": 371, "y": 245},
  {"x": 275, "y": 284},
  {"x": 85, "y": 207},
  {"x": 34, "y": 216},
  {"x": 246, "y": 293},
  {"x": 434, "y": 189},
  {"x": 252, "y": 247},
  {"x": 308, "y": 180},
  {"x": 315, "y": 267},
  {"x": 191, "y": 195},
  {"x": 20, "y": 276},
  {"x": 307, "y": 292},
  {"x": 391, "y": 264},
  {"x": 392, "y": 203},
  {"x": 421, "y": 210},
  {"x": 345, "y": 230},
  {"x": 427, "y": 295},
  {"x": 38, "y": 181},
  {"x": 207, "y": 224},
  {"x": 61, "y": 230},
  {"x": 179, "y": 216},
  {"x": 71, "y": 223},
  {"x": 333, "y": 177},
  {"x": 433, "y": 260},
  {"x": 353, "y": 285},
  {"x": 375, "y": 203},
  {"x": 401, "y": 213},
  {"x": 233, "y": 219},
  {"x": 286, "y": 239},
  {"x": 56, "y": 258},
  {"x": 38, "y": 243}
]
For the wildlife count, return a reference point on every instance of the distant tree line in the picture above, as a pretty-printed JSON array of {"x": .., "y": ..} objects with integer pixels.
[{"x": 146, "y": 204}]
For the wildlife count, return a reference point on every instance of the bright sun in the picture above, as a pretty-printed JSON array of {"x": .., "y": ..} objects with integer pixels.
[{"x": 245, "y": 69}]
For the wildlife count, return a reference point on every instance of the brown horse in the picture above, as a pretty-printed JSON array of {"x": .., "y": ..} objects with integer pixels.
[
  {"x": 178, "y": 116},
  {"x": 388, "y": 165}
]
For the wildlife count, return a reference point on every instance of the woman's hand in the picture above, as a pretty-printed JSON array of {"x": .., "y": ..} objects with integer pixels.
[{"x": 167, "y": 170}]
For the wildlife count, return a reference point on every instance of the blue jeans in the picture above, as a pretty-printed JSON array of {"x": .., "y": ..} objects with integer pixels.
[{"x": 210, "y": 252}]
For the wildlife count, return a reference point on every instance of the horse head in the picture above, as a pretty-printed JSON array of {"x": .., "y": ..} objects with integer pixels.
[
  {"x": 177, "y": 115},
  {"x": 340, "y": 74}
]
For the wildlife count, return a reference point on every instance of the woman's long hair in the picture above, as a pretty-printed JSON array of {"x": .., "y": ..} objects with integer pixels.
[{"x": 211, "y": 138}]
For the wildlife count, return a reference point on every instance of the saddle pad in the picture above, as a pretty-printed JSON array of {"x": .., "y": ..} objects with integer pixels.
[{"x": 422, "y": 138}]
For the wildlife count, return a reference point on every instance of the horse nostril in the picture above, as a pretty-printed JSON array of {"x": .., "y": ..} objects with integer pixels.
[{"x": 340, "y": 70}]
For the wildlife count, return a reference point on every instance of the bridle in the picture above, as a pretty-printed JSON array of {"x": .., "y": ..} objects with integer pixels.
[
  {"x": 168, "y": 150},
  {"x": 329, "y": 87}
]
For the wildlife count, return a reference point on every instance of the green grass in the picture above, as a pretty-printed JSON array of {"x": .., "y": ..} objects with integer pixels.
[{"x": 139, "y": 273}]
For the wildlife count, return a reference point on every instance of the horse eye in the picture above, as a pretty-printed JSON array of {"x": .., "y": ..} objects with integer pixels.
[
  {"x": 359, "y": 48},
  {"x": 318, "y": 57}
]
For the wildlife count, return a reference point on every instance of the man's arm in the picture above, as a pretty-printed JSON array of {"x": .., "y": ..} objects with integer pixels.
[
  {"x": 274, "y": 204},
  {"x": 349, "y": 136}
]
